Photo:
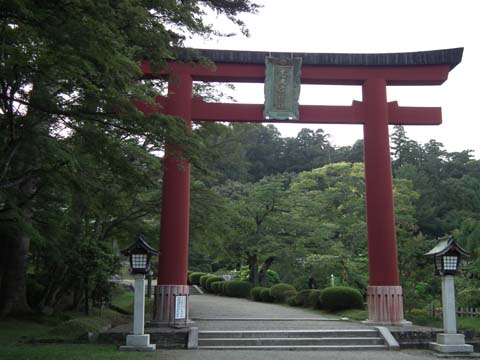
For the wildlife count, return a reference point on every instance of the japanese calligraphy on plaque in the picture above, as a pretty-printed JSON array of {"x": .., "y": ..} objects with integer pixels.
[{"x": 282, "y": 88}]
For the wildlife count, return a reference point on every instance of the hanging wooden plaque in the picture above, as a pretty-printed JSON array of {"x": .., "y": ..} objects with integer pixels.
[{"x": 282, "y": 88}]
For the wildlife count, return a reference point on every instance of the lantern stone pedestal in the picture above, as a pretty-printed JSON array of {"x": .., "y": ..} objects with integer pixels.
[
  {"x": 139, "y": 341},
  {"x": 449, "y": 342}
]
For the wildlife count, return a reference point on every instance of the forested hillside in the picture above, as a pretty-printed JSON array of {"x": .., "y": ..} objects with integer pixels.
[{"x": 302, "y": 201}]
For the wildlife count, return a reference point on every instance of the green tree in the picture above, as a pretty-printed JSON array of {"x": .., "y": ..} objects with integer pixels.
[
  {"x": 255, "y": 220},
  {"x": 65, "y": 64},
  {"x": 309, "y": 150}
]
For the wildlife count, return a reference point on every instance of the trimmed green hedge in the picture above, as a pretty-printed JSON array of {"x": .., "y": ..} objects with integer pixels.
[
  {"x": 216, "y": 287},
  {"x": 210, "y": 280},
  {"x": 223, "y": 288},
  {"x": 303, "y": 298},
  {"x": 255, "y": 293},
  {"x": 280, "y": 291},
  {"x": 341, "y": 297},
  {"x": 315, "y": 299},
  {"x": 195, "y": 277},
  {"x": 238, "y": 288},
  {"x": 266, "y": 296},
  {"x": 203, "y": 280},
  {"x": 291, "y": 298}
]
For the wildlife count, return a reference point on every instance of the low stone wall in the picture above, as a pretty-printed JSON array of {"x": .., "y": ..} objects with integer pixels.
[
  {"x": 413, "y": 339},
  {"x": 164, "y": 338}
]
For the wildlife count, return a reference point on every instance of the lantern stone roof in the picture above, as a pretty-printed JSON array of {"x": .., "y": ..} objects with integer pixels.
[
  {"x": 140, "y": 243},
  {"x": 450, "y": 57},
  {"x": 447, "y": 245}
]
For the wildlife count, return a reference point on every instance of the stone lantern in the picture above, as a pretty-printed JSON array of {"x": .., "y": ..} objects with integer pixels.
[
  {"x": 446, "y": 256},
  {"x": 140, "y": 254}
]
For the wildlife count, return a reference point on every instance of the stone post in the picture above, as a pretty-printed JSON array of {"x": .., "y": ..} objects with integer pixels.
[{"x": 139, "y": 341}]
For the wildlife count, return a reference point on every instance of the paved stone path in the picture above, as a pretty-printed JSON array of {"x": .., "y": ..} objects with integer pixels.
[
  {"x": 206, "y": 310},
  {"x": 289, "y": 355}
]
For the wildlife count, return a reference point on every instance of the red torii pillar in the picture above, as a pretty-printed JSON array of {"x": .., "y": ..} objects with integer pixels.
[
  {"x": 384, "y": 295},
  {"x": 175, "y": 220}
]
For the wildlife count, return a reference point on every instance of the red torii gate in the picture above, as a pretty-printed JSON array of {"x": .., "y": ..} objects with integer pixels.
[{"x": 373, "y": 72}]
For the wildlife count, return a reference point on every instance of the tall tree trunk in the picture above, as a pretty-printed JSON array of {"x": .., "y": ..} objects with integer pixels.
[
  {"x": 85, "y": 290},
  {"x": 262, "y": 276},
  {"x": 13, "y": 289},
  {"x": 253, "y": 268},
  {"x": 13, "y": 284}
]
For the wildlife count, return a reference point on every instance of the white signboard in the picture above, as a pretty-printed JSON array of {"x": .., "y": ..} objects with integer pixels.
[{"x": 180, "y": 307}]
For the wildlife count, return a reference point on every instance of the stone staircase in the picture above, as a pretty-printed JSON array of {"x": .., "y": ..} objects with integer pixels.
[
  {"x": 195, "y": 290},
  {"x": 356, "y": 339}
]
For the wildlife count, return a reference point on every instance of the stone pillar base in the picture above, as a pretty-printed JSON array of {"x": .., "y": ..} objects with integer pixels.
[
  {"x": 164, "y": 304},
  {"x": 138, "y": 343},
  {"x": 451, "y": 343},
  {"x": 385, "y": 306}
]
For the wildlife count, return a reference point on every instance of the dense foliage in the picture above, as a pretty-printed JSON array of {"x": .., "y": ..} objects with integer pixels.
[
  {"x": 78, "y": 174},
  {"x": 309, "y": 223}
]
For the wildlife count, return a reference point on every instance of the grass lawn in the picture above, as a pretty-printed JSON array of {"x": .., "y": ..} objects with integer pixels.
[
  {"x": 68, "y": 326},
  {"x": 67, "y": 352},
  {"x": 463, "y": 323},
  {"x": 12, "y": 330}
]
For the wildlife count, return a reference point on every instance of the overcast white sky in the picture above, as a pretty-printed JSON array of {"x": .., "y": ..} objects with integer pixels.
[{"x": 372, "y": 26}]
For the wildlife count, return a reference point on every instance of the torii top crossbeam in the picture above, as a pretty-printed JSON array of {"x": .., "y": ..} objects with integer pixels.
[{"x": 413, "y": 68}]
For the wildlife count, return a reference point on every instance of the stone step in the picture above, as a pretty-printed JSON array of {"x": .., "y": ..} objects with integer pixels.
[
  {"x": 344, "y": 339},
  {"x": 301, "y": 347},
  {"x": 290, "y": 341},
  {"x": 195, "y": 290},
  {"x": 287, "y": 333}
]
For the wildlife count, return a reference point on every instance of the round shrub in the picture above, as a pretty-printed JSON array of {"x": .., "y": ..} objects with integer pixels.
[
  {"x": 315, "y": 299},
  {"x": 278, "y": 291},
  {"x": 303, "y": 297},
  {"x": 291, "y": 298},
  {"x": 238, "y": 288},
  {"x": 272, "y": 277},
  {"x": 210, "y": 280},
  {"x": 341, "y": 297},
  {"x": 195, "y": 277},
  {"x": 255, "y": 293},
  {"x": 292, "y": 301},
  {"x": 216, "y": 287},
  {"x": 265, "y": 295}
]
